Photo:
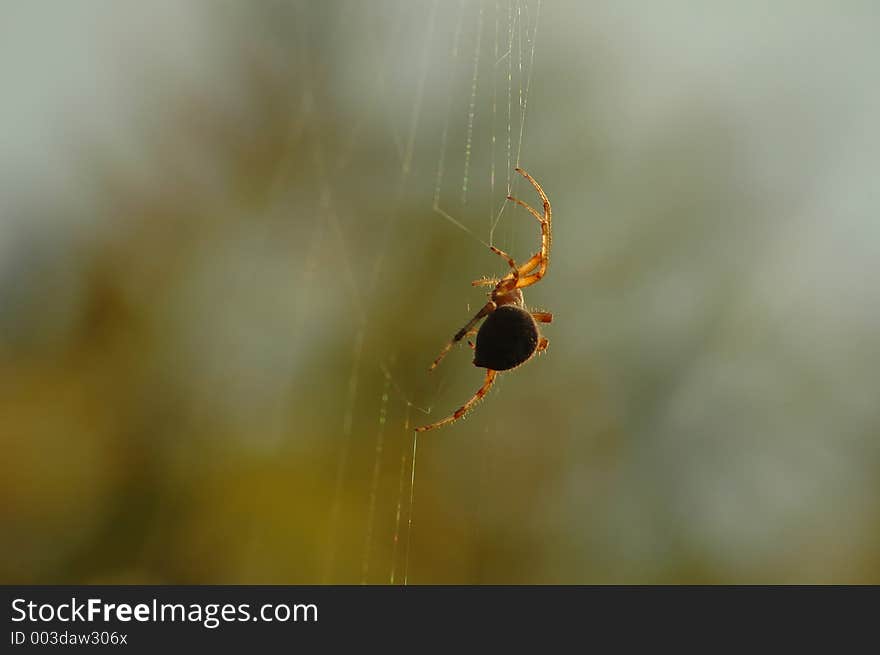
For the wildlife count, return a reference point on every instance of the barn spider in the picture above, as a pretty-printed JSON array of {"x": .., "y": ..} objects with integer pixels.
[{"x": 510, "y": 335}]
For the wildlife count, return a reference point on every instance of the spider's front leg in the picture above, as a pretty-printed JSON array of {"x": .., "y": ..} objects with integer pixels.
[
  {"x": 518, "y": 271},
  {"x": 512, "y": 275},
  {"x": 512, "y": 278},
  {"x": 485, "y": 282},
  {"x": 542, "y": 259}
]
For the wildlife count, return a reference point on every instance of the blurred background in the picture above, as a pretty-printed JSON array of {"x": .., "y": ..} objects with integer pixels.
[{"x": 234, "y": 235}]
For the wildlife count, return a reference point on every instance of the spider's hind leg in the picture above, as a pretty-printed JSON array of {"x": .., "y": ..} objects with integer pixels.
[{"x": 464, "y": 409}]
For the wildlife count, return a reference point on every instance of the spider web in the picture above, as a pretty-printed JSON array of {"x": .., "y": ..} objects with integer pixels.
[
  {"x": 221, "y": 293},
  {"x": 403, "y": 193},
  {"x": 470, "y": 77},
  {"x": 302, "y": 220}
]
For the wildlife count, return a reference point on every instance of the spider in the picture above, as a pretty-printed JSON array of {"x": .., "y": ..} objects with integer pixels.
[{"x": 510, "y": 335}]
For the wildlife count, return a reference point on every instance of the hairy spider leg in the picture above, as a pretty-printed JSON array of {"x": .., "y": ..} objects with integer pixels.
[
  {"x": 464, "y": 409},
  {"x": 520, "y": 270},
  {"x": 518, "y": 277},
  {"x": 487, "y": 309},
  {"x": 485, "y": 282},
  {"x": 509, "y": 281},
  {"x": 472, "y": 333},
  {"x": 542, "y": 259},
  {"x": 522, "y": 276},
  {"x": 514, "y": 271}
]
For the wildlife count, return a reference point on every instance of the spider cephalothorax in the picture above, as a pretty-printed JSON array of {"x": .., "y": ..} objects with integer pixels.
[{"x": 510, "y": 335}]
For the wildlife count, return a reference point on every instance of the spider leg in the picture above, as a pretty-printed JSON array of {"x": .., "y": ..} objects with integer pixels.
[
  {"x": 543, "y": 317},
  {"x": 535, "y": 268},
  {"x": 504, "y": 256},
  {"x": 487, "y": 309},
  {"x": 532, "y": 210},
  {"x": 472, "y": 333},
  {"x": 525, "y": 268},
  {"x": 464, "y": 409},
  {"x": 529, "y": 280},
  {"x": 544, "y": 199},
  {"x": 542, "y": 345},
  {"x": 536, "y": 259},
  {"x": 485, "y": 282},
  {"x": 513, "y": 276},
  {"x": 542, "y": 259}
]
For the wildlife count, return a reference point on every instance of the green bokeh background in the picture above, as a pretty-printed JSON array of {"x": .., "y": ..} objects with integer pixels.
[{"x": 222, "y": 278}]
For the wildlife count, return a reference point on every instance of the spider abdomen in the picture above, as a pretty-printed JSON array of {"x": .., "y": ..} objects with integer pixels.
[{"x": 507, "y": 338}]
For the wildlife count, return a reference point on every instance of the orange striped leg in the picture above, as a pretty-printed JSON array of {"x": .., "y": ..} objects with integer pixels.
[
  {"x": 545, "y": 221},
  {"x": 472, "y": 333},
  {"x": 522, "y": 270},
  {"x": 503, "y": 255},
  {"x": 513, "y": 276},
  {"x": 485, "y": 282},
  {"x": 543, "y": 317},
  {"x": 464, "y": 409},
  {"x": 487, "y": 309},
  {"x": 529, "y": 280}
]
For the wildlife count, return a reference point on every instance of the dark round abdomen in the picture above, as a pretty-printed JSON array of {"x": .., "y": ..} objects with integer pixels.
[{"x": 507, "y": 338}]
